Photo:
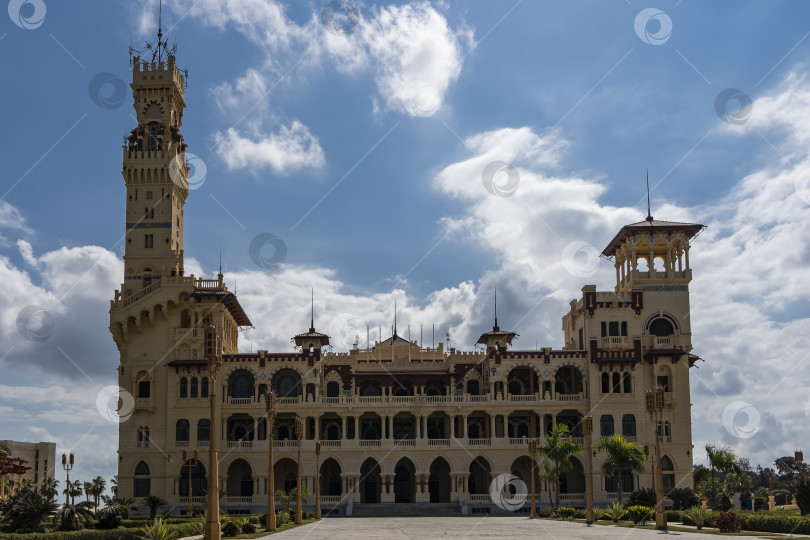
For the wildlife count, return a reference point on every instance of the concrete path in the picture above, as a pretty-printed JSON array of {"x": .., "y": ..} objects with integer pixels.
[{"x": 471, "y": 527}]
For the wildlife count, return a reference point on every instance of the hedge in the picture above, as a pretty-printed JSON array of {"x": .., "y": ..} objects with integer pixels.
[
  {"x": 771, "y": 522},
  {"x": 124, "y": 533}
]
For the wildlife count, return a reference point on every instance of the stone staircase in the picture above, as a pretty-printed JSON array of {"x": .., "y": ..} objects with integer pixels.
[{"x": 405, "y": 509}]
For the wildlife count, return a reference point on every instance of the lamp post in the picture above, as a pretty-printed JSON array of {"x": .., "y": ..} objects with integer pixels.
[
  {"x": 213, "y": 353},
  {"x": 299, "y": 432},
  {"x": 532, "y": 452},
  {"x": 191, "y": 462},
  {"x": 317, "y": 480},
  {"x": 67, "y": 465},
  {"x": 655, "y": 407},
  {"x": 270, "y": 404},
  {"x": 587, "y": 429}
]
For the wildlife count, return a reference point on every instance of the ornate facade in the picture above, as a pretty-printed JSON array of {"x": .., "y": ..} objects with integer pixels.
[{"x": 397, "y": 422}]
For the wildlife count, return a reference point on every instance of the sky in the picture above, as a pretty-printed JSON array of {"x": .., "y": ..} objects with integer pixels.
[{"x": 426, "y": 152}]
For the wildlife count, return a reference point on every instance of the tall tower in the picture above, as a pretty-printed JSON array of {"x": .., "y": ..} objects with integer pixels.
[{"x": 156, "y": 176}]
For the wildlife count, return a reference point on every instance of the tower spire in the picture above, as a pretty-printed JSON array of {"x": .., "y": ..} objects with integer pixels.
[
  {"x": 312, "y": 310},
  {"x": 649, "y": 212},
  {"x": 220, "y": 257},
  {"x": 395, "y": 317},
  {"x": 496, "y": 308}
]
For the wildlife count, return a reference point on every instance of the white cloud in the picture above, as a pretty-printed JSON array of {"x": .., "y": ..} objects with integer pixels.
[{"x": 291, "y": 148}]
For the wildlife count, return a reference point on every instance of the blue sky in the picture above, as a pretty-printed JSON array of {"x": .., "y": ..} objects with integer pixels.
[{"x": 389, "y": 128}]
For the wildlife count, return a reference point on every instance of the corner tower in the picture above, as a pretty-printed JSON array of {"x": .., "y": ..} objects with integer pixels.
[{"x": 155, "y": 174}]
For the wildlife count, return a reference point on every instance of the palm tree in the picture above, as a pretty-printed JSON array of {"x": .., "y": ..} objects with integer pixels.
[
  {"x": 721, "y": 459},
  {"x": 114, "y": 485},
  {"x": 50, "y": 487},
  {"x": 621, "y": 456},
  {"x": 558, "y": 448},
  {"x": 26, "y": 509},
  {"x": 88, "y": 490},
  {"x": 99, "y": 484},
  {"x": 153, "y": 502},
  {"x": 73, "y": 490},
  {"x": 69, "y": 516}
]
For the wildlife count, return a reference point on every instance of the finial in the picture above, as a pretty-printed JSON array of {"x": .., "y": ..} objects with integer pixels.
[
  {"x": 649, "y": 212},
  {"x": 395, "y": 316},
  {"x": 220, "y": 257},
  {"x": 312, "y": 307}
]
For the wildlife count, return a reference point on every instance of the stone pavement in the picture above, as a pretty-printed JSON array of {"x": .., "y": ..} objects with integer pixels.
[{"x": 471, "y": 527}]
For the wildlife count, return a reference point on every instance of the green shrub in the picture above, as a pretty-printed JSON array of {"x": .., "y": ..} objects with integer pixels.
[
  {"x": 248, "y": 528},
  {"x": 255, "y": 519},
  {"x": 263, "y": 519},
  {"x": 614, "y": 512},
  {"x": 698, "y": 516},
  {"x": 308, "y": 515},
  {"x": 683, "y": 498},
  {"x": 230, "y": 529},
  {"x": 89, "y": 534},
  {"x": 727, "y": 522},
  {"x": 639, "y": 514},
  {"x": 643, "y": 497},
  {"x": 109, "y": 521},
  {"x": 784, "y": 521},
  {"x": 282, "y": 517},
  {"x": 674, "y": 516},
  {"x": 564, "y": 512},
  {"x": 158, "y": 530}
]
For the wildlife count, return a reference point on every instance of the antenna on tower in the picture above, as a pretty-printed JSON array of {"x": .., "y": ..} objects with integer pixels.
[
  {"x": 496, "y": 307},
  {"x": 395, "y": 316},
  {"x": 649, "y": 212},
  {"x": 220, "y": 257}
]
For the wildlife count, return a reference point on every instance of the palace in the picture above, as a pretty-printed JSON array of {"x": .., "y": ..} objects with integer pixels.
[{"x": 397, "y": 423}]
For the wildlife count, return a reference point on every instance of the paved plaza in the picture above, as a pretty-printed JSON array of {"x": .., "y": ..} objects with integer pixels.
[{"x": 470, "y": 527}]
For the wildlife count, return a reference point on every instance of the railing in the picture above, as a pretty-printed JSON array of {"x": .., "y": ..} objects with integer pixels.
[
  {"x": 330, "y": 499},
  {"x": 479, "y": 399},
  {"x": 572, "y": 497},
  {"x": 404, "y": 442},
  {"x": 239, "y": 401},
  {"x": 569, "y": 397},
  {"x": 615, "y": 495},
  {"x": 369, "y": 443},
  {"x": 239, "y": 444},
  {"x": 240, "y": 500},
  {"x": 193, "y": 499},
  {"x": 288, "y": 401},
  {"x": 616, "y": 342},
  {"x": 143, "y": 403},
  {"x": 630, "y": 438},
  {"x": 330, "y": 400},
  {"x": 285, "y": 444},
  {"x": 524, "y": 398},
  {"x": 370, "y": 399},
  {"x": 663, "y": 341},
  {"x": 146, "y": 291},
  {"x": 438, "y": 442},
  {"x": 578, "y": 440},
  {"x": 481, "y": 442},
  {"x": 478, "y": 498},
  {"x": 437, "y": 399},
  {"x": 330, "y": 444},
  {"x": 403, "y": 399},
  {"x": 520, "y": 440}
]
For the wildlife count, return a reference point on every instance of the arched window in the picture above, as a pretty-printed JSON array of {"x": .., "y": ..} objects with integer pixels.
[
  {"x": 628, "y": 425},
  {"x": 627, "y": 381},
  {"x": 154, "y": 142},
  {"x": 203, "y": 430},
  {"x": 185, "y": 319},
  {"x": 668, "y": 473},
  {"x": 661, "y": 327},
  {"x": 240, "y": 384},
  {"x": 204, "y": 387},
  {"x": 194, "y": 387},
  {"x": 617, "y": 386},
  {"x": 667, "y": 432},
  {"x": 605, "y": 383},
  {"x": 287, "y": 383},
  {"x": 473, "y": 387},
  {"x": 183, "y": 387},
  {"x": 181, "y": 432},
  {"x": 144, "y": 386},
  {"x": 606, "y": 425},
  {"x": 142, "y": 484},
  {"x": 332, "y": 389}
]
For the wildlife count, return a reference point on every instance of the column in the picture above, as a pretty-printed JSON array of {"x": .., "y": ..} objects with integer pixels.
[
  {"x": 492, "y": 426},
  {"x": 464, "y": 427},
  {"x": 343, "y": 428}
]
